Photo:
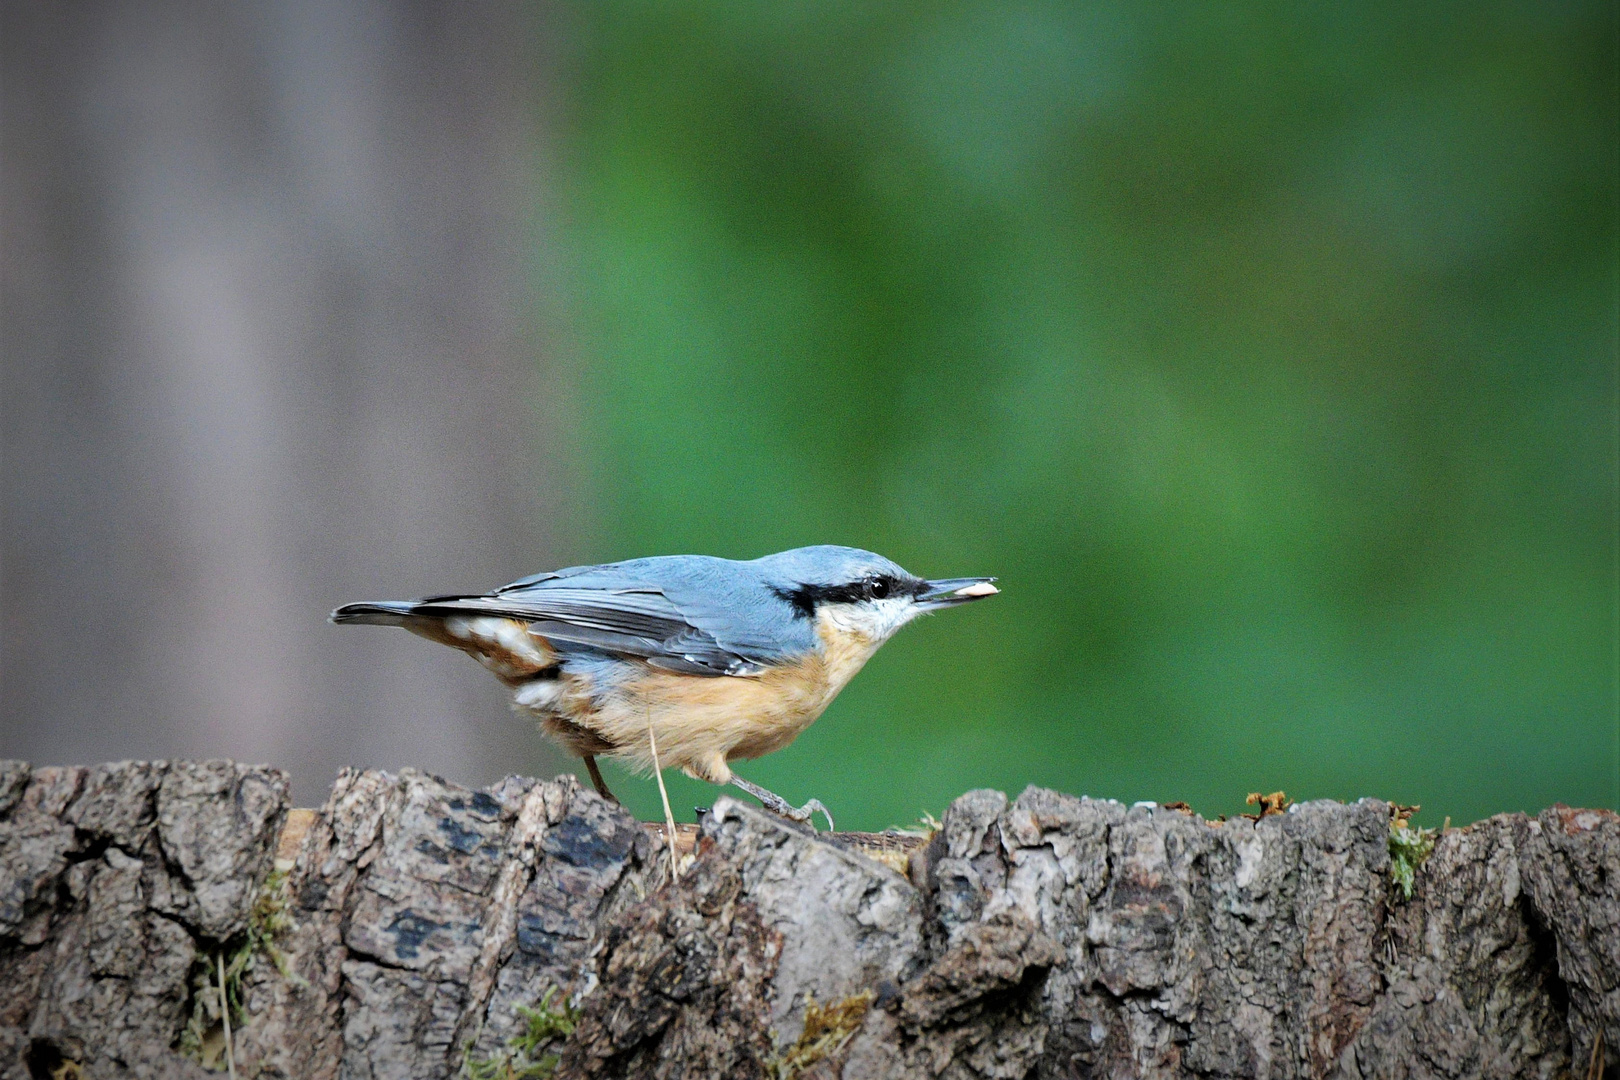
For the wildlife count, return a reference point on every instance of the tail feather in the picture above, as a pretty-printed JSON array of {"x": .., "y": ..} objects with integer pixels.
[{"x": 380, "y": 613}]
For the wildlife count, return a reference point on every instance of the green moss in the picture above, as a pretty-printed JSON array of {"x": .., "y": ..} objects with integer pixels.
[
  {"x": 526, "y": 1055},
  {"x": 203, "y": 1039},
  {"x": 1409, "y": 846}
]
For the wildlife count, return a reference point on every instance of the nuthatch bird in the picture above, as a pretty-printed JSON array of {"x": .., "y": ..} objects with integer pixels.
[{"x": 716, "y": 660}]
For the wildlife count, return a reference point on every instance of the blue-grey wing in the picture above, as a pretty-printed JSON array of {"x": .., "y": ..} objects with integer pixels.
[
  {"x": 624, "y": 618},
  {"x": 689, "y": 613}
]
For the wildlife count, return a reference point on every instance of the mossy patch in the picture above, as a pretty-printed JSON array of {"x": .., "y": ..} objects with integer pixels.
[
  {"x": 203, "y": 1039},
  {"x": 528, "y": 1055},
  {"x": 826, "y": 1029},
  {"x": 1409, "y": 846}
]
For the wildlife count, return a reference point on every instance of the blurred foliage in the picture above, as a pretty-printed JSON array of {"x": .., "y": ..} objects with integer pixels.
[{"x": 1265, "y": 352}]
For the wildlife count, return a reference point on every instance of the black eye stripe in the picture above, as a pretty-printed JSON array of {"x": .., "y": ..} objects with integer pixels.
[{"x": 806, "y": 598}]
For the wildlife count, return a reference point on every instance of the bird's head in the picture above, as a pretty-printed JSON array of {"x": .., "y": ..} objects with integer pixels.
[{"x": 860, "y": 593}]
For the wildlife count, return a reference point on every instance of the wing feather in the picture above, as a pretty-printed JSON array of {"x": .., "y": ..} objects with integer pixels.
[{"x": 636, "y": 621}]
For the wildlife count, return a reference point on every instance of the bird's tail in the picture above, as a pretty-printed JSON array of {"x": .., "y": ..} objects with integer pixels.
[{"x": 380, "y": 613}]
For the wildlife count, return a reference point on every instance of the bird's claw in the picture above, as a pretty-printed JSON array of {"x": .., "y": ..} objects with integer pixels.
[
  {"x": 811, "y": 807},
  {"x": 780, "y": 806}
]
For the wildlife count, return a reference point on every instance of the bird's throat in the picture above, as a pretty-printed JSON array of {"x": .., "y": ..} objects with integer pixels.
[{"x": 845, "y": 649}]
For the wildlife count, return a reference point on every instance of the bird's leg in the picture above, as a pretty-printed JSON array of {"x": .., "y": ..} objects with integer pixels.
[
  {"x": 596, "y": 778},
  {"x": 778, "y": 805}
]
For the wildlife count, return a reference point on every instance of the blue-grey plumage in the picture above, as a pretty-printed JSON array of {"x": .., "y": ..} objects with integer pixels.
[{"x": 721, "y": 660}]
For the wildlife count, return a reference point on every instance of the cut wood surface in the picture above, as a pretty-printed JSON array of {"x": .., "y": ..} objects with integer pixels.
[{"x": 414, "y": 928}]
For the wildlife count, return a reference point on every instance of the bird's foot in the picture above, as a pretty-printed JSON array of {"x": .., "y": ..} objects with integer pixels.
[
  {"x": 811, "y": 806},
  {"x": 778, "y": 805},
  {"x": 597, "y": 781}
]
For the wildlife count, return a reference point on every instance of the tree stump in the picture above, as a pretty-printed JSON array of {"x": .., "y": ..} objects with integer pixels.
[{"x": 413, "y": 928}]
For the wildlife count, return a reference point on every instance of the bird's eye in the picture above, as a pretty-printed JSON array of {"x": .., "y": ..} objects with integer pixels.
[{"x": 877, "y": 588}]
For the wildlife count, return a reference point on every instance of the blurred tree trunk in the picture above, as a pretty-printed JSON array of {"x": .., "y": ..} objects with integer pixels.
[
  {"x": 414, "y": 928},
  {"x": 272, "y": 343}
]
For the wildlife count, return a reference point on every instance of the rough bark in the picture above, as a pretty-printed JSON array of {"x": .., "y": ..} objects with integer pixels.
[
  {"x": 113, "y": 881},
  {"x": 412, "y": 921}
]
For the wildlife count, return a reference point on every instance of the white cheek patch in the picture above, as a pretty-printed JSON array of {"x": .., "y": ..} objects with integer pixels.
[{"x": 876, "y": 619}]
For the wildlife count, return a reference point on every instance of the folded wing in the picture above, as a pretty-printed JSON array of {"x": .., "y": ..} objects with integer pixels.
[{"x": 631, "y": 620}]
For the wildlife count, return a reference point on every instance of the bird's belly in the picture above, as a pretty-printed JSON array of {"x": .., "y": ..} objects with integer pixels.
[{"x": 699, "y": 723}]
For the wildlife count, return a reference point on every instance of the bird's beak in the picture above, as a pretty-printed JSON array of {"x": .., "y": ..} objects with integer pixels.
[{"x": 953, "y": 591}]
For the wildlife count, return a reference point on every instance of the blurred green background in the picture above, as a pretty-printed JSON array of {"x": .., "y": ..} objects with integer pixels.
[{"x": 1265, "y": 352}]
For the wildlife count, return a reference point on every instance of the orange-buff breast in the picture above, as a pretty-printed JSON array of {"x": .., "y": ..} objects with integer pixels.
[{"x": 702, "y": 723}]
